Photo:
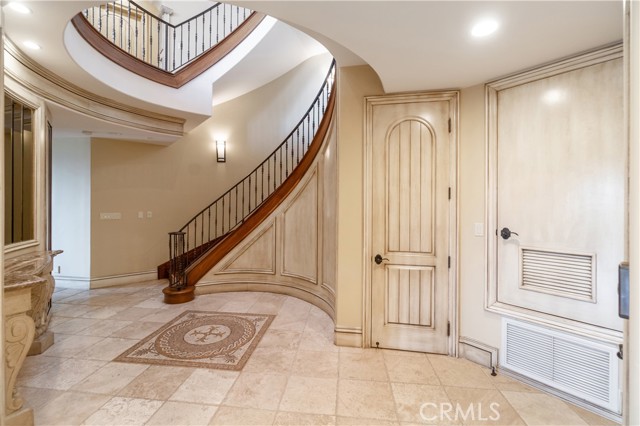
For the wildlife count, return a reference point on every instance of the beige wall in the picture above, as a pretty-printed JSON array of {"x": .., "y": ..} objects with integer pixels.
[
  {"x": 475, "y": 322},
  {"x": 354, "y": 83},
  {"x": 175, "y": 182}
]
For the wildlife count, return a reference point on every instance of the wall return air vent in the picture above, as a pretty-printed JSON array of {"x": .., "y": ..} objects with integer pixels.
[{"x": 578, "y": 366}]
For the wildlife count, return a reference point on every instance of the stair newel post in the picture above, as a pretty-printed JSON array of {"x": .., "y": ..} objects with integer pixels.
[{"x": 178, "y": 290}]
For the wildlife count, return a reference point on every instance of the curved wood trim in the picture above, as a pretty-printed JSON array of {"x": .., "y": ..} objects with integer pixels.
[
  {"x": 50, "y": 86},
  {"x": 198, "y": 270},
  {"x": 176, "y": 80}
]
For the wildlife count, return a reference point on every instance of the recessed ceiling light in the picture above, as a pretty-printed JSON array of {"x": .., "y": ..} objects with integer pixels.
[
  {"x": 19, "y": 7},
  {"x": 484, "y": 28},
  {"x": 31, "y": 45}
]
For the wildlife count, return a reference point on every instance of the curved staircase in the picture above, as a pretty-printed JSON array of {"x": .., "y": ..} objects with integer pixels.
[{"x": 212, "y": 234}]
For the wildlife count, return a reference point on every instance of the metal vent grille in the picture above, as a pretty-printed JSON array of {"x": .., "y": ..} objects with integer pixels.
[
  {"x": 580, "y": 367},
  {"x": 562, "y": 274}
]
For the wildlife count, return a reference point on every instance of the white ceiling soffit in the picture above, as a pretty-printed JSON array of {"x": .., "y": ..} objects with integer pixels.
[{"x": 427, "y": 45}]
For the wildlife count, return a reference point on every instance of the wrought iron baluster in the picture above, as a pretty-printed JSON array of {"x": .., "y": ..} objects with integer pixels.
[
  {"x": 217, "y": 23},
  {"x": 173, "y": 66},
  {"x": 188, "y": 40},
  {"x": 224, "y": 21},
  {"x": 274, "y": 171},
  {"x": 121, "y": 24},
  {"x": 144, "y": 25},
  {"x": 209, "y": 236},
  {"x": 113, "y": 28},
  {"x": 250, "y": 193},
  {"x": 158, "y": 48},
  {"x": 181, "y": 45},
  {"x": 129, "y": 28},
  {"x": 262, "y": 183},
  {"x": 222, "y": 233},
  {"x": 229, "y": 217},
  {"x": 203, "y": 31},
  {"x": 236, "y": 204}
]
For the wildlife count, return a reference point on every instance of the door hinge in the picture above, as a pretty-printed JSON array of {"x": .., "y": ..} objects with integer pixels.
[
  {"x": 449, "y": 125},
  {"x": 448, "y": 329},
  {"x": 449, "y": 192},
  {"x": 449, "y": 262}
]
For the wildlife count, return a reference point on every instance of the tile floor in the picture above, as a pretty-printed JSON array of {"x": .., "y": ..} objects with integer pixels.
[{"x": 296, "y": 376}]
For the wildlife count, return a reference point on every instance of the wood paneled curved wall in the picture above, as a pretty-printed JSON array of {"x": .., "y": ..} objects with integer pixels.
[{"x": 293, "y": 250}]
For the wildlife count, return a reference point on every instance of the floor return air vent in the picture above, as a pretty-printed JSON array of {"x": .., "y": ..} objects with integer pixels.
[{"x": 578, "y": 366}]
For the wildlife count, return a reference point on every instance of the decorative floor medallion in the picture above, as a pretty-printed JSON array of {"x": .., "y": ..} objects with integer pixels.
[{"x": 201, "y": 339}]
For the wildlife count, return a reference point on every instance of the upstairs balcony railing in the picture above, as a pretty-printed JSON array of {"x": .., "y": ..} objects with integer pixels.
[
  {"x": 155, "y": 41},
  {"x": 232, "y": 208}
]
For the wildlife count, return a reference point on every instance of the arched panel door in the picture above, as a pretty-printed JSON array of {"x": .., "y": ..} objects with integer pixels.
[{"x": 410, "y": 226}]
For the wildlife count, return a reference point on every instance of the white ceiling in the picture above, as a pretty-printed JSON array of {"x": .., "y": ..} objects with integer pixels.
[
  {"x": 412, "y": 45},
  {"x": 426, "y": 45}
]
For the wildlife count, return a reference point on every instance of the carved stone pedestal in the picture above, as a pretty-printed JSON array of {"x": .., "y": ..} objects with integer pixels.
[
  {"x": 19, "y": 331},
  {"x": 40, "y": 265}
]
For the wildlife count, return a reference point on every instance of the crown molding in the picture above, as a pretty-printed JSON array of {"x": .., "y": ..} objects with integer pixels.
[{"x": 50, "y": 86}]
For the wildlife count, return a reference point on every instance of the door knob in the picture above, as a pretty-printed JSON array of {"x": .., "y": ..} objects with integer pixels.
[
  {"x": 506, "y": 233},
  {"x": 378, "y": 259}
]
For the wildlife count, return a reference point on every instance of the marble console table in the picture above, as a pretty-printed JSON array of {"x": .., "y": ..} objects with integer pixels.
[
  {"x": 19, "y": 333},
  {"x": 38, "y": 264}
]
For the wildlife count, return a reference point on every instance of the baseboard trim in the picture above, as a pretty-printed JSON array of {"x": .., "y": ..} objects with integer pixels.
[
  {"x": 348, "y": 336},
  {"x": 477, "y": 352},
  {"x": 66, "y": 281},
  {"x": 115, "y": 280}
]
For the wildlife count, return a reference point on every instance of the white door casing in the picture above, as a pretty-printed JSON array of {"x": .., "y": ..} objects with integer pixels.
[
  {"x": 411, "y": 143},
  {"x": 557, "y": 177}
]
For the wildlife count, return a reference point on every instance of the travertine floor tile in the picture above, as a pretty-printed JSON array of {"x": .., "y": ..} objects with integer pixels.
[
  {"x": 38, "y": 397},
  {"x": 257, "y": 390},
  {"x": 107, "y": 349},
  {"x": 137, "y": 330},
  {"x": 365, "y": 399},
  {"x": 541, "y": 409},
  {"x": 365, "y": 365},
  {"x": 103, "y": 327},
  {"x": 413, "y": 370},
  {"x": 482, "y": 407},
  {"x": 206, "y": 386},
  {"x": 421, "y": 403},
  {"x": 310, "y": 395},
  {"x": 280, "y": 339},
  {"x": 355, "y": 421},
  {"x": 296, "y": 376},
  {"x": 183, "y": 414},
  {"x": 65, "y": 375},
  {"x": 157, "y": 382},
  {"x": 111, "y": 378},
  {"x": 316, "y": 364},
  {"x": 229, "y": 416},
  {"x": 70, "y": 408},
  {"x": 270, "y": 360},
  {"x": 124, "y": 411},
  {"x": 301, "y": 419},
  {"x": 459, "y": 372}
]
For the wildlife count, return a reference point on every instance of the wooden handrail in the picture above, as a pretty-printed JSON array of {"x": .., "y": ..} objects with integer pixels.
[
  {"x": 182, "y": 76},
  {"x": 198, "y": 269}
]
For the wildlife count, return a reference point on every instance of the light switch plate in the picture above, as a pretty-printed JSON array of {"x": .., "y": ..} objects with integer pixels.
[
  {"x": 478, "y": 229},
  {"x": 110, "y": 216}
]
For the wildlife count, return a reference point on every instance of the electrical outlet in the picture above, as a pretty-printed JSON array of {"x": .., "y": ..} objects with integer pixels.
[
  {"x": 149, "y": 215},
  {"x": 140, "y": 215}
]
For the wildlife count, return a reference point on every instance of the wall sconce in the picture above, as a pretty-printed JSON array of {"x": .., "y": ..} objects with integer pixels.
[{"x": 221, "y": 151}]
